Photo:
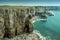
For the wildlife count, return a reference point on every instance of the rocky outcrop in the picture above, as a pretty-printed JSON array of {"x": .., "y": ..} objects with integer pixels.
[
  {"x": 25, "y": 36},
  {"x": 16, "y": 25}
]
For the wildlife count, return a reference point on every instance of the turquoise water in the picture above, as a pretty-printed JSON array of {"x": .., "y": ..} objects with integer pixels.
[{"x": 51, "y": 28}]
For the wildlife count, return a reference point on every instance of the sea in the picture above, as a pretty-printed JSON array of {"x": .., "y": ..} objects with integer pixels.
[{"x": 49, "y": 30}]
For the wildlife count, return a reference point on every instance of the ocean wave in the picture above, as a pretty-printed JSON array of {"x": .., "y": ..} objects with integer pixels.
[
  {"x": 39, "y": 20},
  {"x": 43, "y": 37},
  {"x": 38, "y": 33},
  {"x": 36, "y": 20}
]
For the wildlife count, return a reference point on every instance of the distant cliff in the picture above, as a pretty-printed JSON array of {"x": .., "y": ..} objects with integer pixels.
[{"x": 55, "y": 8}]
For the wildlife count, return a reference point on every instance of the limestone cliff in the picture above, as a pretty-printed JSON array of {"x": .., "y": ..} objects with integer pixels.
[{"x": 15, "y": 24}]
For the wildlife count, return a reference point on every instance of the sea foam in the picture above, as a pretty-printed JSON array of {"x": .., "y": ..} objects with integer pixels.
[{"x": 39, "y": 34}]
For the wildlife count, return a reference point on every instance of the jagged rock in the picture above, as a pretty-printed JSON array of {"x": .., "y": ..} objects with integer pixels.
[
  {"x": 1, "y": 34},
  {"x": 1, "y": 27},
  {"x": 28, "y": 26},
  {"x": 12, "y": 32},
  {"x": 1, "y": 22},
  {"x": 17, "y": 25},
  {"x": 25, "y": 36},
  {"x": 19, "y": 29}
]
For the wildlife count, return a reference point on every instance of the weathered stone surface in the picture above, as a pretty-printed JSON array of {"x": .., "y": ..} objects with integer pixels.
[
  {"x": 1, "y": 27},
  {"x": 25, "y": 36},
  {"x": 16, "y": 25},
  {"x": 12, "y": 32},
  {"x": 19, "y": 29},
  {"x": 28, "y": 26}
]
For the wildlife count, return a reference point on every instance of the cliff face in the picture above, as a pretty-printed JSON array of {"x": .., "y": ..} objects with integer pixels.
[{"x": 15, "y": 24}]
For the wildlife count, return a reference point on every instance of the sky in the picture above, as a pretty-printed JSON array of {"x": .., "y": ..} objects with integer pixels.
[{"x": 30, "y": 2}]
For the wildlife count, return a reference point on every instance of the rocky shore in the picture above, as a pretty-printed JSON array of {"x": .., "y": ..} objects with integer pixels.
[{"x": 25, "y": 36}]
